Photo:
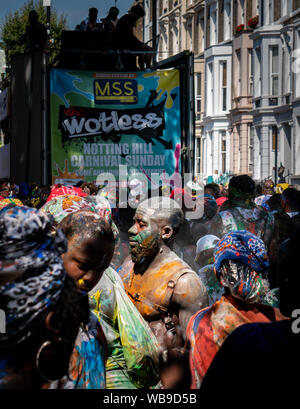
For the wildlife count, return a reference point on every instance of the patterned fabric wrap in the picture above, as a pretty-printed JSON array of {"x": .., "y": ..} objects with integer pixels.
[
  {"x": 59, "y": 190},
  {"x": 28, "y": 250},
  {"x": 87, "y": 362},
  {"x": 62, "y": 206},
  {"x": 263, "y": 201},
  {"x": 244, "y": 247},
  {"x": 208, "y": 329},
  {"x": 241, "y": 264},
  {"x": 10, "y": 201},
  {"x": 256, "y": 220}
]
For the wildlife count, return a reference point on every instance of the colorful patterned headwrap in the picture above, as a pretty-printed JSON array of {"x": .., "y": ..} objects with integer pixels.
[
  {"x": 62, "y": 206},
  {"x": 29, "y": 255},
  {"x": 10, "y": 201},
  {"x": 59, "y": 190},
  {"x": 241, "y": 264},
  {"x": 263, "y": 201}
]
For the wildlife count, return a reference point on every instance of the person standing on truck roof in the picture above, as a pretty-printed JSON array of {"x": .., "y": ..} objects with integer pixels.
[
  {"x": 125, "y": 39},
  {"x": 35, "y": 34},
  {"x": 91, "y": 23},
  {"x": 109, "y": 24}
]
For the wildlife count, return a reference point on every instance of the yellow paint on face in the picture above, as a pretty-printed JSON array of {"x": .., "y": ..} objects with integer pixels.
[{"x": 167, "y": 81}]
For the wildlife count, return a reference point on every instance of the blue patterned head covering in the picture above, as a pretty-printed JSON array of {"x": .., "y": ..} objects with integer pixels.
[
  {"x": 31, "y": 268},
  {"x": 244, "y": 247},
  {"x": 241, "y": 264}
]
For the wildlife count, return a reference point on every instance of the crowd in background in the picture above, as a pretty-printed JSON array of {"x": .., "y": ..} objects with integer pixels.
[{"x": 70, "y": 321}]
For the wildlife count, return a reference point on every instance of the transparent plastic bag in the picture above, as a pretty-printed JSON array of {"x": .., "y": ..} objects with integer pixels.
[{"x": 140, "y": 347}]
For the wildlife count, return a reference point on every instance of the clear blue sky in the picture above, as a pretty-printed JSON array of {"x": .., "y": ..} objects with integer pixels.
[{"x": 75, "y": 10}]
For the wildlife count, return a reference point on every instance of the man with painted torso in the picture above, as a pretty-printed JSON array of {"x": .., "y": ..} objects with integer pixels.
[{"x": 165, "y": 290}]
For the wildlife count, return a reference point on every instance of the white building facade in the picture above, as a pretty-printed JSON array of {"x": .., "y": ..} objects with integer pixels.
[{"x": 247, "y": 84}]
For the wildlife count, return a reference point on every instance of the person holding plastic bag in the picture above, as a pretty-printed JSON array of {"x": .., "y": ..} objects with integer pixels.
[{"x": 132, "y": 350}]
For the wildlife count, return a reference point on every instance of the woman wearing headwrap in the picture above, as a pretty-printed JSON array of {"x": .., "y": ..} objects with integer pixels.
[
  {"x": 241, "y": 266},
  {"x": 80, "y": 222},
  {"x": 42, "y": 307},
  {"x": 90, "y": 249},
  {"x": 60, "y": 190},
  {"x": 12, "y": 202},
  {"x": 62, "y": 206}
]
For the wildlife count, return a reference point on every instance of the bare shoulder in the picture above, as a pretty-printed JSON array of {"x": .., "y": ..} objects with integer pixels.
[{"x": 190, "y": 289}]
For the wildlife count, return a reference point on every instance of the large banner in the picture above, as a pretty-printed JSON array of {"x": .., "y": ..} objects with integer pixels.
[{"x": 100, "y": 121}]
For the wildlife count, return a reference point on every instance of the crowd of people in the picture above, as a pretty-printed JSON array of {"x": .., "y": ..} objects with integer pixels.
[{"x": 97, "y": 296}]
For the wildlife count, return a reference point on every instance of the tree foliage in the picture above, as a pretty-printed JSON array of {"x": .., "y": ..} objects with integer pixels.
[{"x": 15, "y": 24}]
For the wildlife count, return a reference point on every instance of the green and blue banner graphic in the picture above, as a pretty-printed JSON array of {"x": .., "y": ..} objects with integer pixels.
[{"x": 100, "y": 121}]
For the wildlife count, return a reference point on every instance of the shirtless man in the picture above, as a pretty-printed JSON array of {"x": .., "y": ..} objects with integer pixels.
[{"x": 163, "y": 287}]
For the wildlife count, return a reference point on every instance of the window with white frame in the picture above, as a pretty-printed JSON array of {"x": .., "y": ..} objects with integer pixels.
[
  {"x": 286, "y": 7},
  {"x": 210, "y": 90},
  {"x": 223, "y": 151},
  {"x": 227, "y": 19},
  {"x": 190, "y": 36},
  {"x": 238, "y": 72},
  {"x": 198, "y": 88},
  {"x": 250, "y": 145},
  {"x": 198, "y": 156},
  {"x": 213, "y": 25},
  {"x": 285, "y": 71},
  {"x": 242, "y": 15},
  {"x": 257, "y": 73},
  {"x": 274, "y": 69},
  {"x": 250, "y": 71},
  {"x": 296, "y": 66},
  {"x": 223, "y": 85},
  {"x": 270, "y": 11},
  {"x": 201, "y": 37}
]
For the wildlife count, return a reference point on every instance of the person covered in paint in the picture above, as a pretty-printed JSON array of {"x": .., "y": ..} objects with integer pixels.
[
  {"x": 90, "y": 250},
  {"x": 272, "y": 346},
  {"x": 239, "y": 212},
  {"x": 42, "y": 306},
  {"x": 205, "y": 258},
  {"x": 163, "y": 287},
  {"x": 241, "y": 265},
  {"x": 104, "y": 291}
]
